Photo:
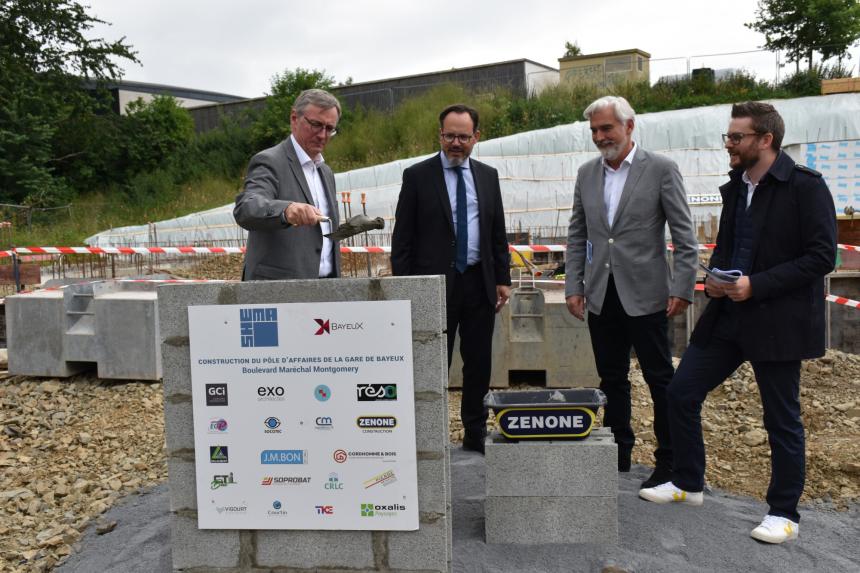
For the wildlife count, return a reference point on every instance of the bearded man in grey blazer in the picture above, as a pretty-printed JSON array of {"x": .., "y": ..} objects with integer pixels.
[
  {"x": 617, "y": 268},
  {"x": 289, "y": 192}
]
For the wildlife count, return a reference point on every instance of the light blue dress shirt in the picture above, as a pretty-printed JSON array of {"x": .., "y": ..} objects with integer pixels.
[{"x": 473, "y": 254}]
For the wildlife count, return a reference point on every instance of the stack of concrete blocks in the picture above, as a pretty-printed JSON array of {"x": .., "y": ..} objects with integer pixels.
[
  {"x": 535, "y": 331},
  {"x": 214, "y": 551},
  {"x": 563, "y": 491},
  {"x": 61, "y": 332}
]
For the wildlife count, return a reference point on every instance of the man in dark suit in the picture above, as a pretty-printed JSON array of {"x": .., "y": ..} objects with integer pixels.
[
  {"x": 778, "y": 226},
  {"x": 450, "y": 221},
  {"x": 289, "y": 190}
]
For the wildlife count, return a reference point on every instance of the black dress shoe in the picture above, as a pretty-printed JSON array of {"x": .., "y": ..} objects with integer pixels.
[
  {"x": 661, "y": 475},
  {"x": 473, "y": 444},
  {"x": 624, "y": 460}
]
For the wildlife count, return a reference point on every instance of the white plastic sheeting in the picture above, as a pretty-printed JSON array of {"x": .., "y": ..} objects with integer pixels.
[{"x": 537, "y": 169}]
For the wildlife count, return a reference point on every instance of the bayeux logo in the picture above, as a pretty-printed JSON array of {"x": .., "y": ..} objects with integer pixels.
[{"x": 324, "y": 326}]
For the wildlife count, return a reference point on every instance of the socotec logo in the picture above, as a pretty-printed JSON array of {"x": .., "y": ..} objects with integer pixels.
[
  {"x": 376, "y": 424},
  {"x": 258, "y": 327},
  {"x": 272, "y": 425},
  {"x": 375, "y": 392},
  {"x": 216, "y": 394}
]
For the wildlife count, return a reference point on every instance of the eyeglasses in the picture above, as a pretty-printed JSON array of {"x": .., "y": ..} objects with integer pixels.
[
  {"x": 317, "y": 126},
  {"x": 737, "y": 137},
  {"x": 462, "y": 138}
]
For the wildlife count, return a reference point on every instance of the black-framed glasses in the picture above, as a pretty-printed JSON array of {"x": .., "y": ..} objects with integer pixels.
[
  {"x": 737, "y": 137},
  {"x": 317, "y": 126},
  {"x": 462, "y": 138}
]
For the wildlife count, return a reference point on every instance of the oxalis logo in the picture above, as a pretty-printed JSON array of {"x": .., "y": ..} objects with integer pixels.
[{"x": 375, "y": 510}]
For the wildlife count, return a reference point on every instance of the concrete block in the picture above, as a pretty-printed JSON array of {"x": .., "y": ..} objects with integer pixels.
[
  {"x": 587, "y": 467},
  {"x": 194, "y": 547},
  {"x": 35, "y": 332},
  {"x": 179, "y": 424},
  {"x": 541, "y": 520},
  {"x": 433, "y": 486},
  {"x": 315, "y": 549},
  {"x": 420, "y": 550},
  {"x": 425, "y": 292},
  {"x": 174, "y": 300},
  {"x": 429, "y": 362},
  {"x": 176, "y": 364},
  {"x": 431, "y": 425},
  {"x": 126, "y": 325},
  {"x": 182, "y": 477}
]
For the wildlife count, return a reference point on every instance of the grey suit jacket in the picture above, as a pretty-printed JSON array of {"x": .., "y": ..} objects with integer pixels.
[
  {"x": 633, "y": 250},
  {"x": 276, "y": 249}
]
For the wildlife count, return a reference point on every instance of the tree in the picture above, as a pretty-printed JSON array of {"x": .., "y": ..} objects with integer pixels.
[
  {"x": 572, "y": 49},
  {"x": 803, "y": 27},
  {"x": 45, "y": 59},
  {"x": 273, "y": 124},
  {"x": 155, "y": 131}
]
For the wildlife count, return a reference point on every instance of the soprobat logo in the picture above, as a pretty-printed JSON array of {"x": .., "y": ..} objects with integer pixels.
[{"x": 326, "y": 326}]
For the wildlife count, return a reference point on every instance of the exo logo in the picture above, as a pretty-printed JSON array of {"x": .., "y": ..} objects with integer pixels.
[
  {"x": 324, "y": 326},
  {"x": 324, "y": 509}
]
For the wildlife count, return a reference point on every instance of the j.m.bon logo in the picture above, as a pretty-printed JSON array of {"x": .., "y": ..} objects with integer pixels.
[{"x": 258, "y": 327}]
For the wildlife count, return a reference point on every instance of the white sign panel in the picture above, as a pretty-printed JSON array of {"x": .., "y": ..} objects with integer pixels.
[
  {"x": 304, "y": 416},
  {"x": 839, "y": 163}
]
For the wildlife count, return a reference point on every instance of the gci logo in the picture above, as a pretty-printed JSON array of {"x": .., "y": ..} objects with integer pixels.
[{"x": 216, "y": 394}]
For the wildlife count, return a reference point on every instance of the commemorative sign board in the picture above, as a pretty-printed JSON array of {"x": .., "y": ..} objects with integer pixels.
[{"x": 304, "y": 416}]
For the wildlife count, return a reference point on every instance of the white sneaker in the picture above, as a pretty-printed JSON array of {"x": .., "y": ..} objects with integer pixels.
[
  {"x": 775, "y": 529},
  {"x": 667, "y": 493}
]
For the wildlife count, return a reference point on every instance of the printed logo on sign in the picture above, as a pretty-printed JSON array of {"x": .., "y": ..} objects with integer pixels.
[
  {"x": 258, "y": 327},
  {"x": 272, "y": 425},
  {"x": 217, "y": 426},
  {"x": 333, "y": 482},
  {"x": 324, "y": 327},
  {"x": 376, "y": 392},
  {"x": 277, "y": 508},
  {"x": 284, "y": 457},
  {"x": 286, "y": 480},
  {"x": 218, "y": 454},
  {"x": 322, "y": 393},
  {"x": 216, "y": 394},
  {"x": 222, "y": 481},
  {"x": 323, "y": 423},
  {"x": 385, "y": 478},
  {"x": 339, "y": 456},
  {"x": 376, "y": 510},
  {"x": 270, "y": 394},
  {"x": 324, "y": 509},
  {"x": 231, "y": 509},
  {"x": 376, "y": 424}
]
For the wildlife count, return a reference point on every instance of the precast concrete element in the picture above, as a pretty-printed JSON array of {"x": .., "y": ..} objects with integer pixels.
[
  {"x": 563, "y": 491},
  {"x": 427, "y": 550},
  {"x": 61, "y": 332},
  {"x": 535, "y": 331}
]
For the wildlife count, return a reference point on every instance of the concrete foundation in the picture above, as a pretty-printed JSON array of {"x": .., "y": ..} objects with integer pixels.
[
  {"x": 427, "y": 550},
  {"x": 573, "y": 498}
]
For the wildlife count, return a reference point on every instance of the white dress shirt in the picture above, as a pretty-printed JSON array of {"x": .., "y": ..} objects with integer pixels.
[
  {"x": 613, "y": 183},
  {"x": 315, "y": 184},
  {"x": 750, "y": 187},
  {"x": 473, "y": 248}
]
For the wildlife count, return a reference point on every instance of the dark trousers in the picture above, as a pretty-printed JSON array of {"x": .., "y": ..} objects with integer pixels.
[
  {"x": 703, "y": 369},
  {"x": 469, "y": 311},
  {"x": 613, "y": 333}
]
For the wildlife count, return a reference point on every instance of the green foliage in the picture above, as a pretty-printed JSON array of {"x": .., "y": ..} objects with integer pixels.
[
  {"x": 273, "y": 124},
  {"x": 154, "y": 131},
  {"x": 571, "y": 50},
  {"x": 802, "y": 27}
]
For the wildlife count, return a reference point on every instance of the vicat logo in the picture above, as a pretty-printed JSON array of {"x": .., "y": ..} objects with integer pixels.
[
  {"x": 217, "y": 426},
  {"x": 376, "y": 392},
  {"x": 322, "y": 393},
  {"x": 218, "y": 454},
  {"x": 324, "y": 509},
  {"x": 376, "y": 424},
  {"x": 323, "y": 423},
  {"x": 324, "y": 327},
  {"x": 284, "y": 457},
  {"x": 258, "y": 327},
  {"x": 216, "y": 394},
  {"x": 272, "y": 425},
  {"x": 333, "y": 482},
  {"x": 220, "y": 481},
  {"x": 270, "y": 394}
]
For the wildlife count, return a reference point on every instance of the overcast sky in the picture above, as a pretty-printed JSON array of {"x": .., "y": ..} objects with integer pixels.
[{"x": 236, "y": 47}]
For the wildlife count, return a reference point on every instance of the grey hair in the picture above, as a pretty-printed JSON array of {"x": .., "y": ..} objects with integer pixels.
[
  {"x": 623, "y": 110},
  {"x": 320, "y": 98}
]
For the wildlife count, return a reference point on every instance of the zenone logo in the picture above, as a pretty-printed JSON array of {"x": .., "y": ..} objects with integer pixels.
[
  {"x": 376, "y": 392},
  {"x": 216, "y": 394},
  {"x": 339, "y": 456},
  {"x": 258, "y": 327},
  {"x": 272, "y": 424},
  {"x": 218, "y": 454},
  {"x": 324, "y": 327},
  {"x": 376, "y": 424},
  {"x": 324, "y": 509},
  {"x": 322, "y": 393}
]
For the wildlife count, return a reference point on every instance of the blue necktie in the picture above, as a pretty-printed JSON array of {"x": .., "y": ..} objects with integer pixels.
[{"x": 462, "y": 221}]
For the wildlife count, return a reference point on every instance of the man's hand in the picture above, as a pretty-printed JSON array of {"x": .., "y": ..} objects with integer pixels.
[
  {"x": 503, "y": 293},
  {"x": 739, "y": 291},
  {"x": 714, "y": 288},
  {"x": 676, "y": 306},
  {"x": 299, "y": 214},
  {"x": 576, "y": 305}
]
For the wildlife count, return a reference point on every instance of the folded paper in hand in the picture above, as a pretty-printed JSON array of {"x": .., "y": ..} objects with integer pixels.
[{"x": 722, "y": 276}]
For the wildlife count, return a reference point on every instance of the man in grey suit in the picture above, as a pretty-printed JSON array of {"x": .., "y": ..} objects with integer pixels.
[
  {"x": 617, "y": 267},
  {"x": 289, "y": 192}
]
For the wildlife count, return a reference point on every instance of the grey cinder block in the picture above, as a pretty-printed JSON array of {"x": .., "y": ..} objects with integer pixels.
[
  {"x": 182, "y": 488},
  {"x": 540, "y": 520},
  {"x": 315, "y": 549},
  {"x": 194, "y": 547},
  {"x": 420, "y": 550},
  {"x": 179, "y": 424}
]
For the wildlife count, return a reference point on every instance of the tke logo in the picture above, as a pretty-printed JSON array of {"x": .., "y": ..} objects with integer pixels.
[
  {"x": 374, "y": 392},
  {"x": 216, "y": 394},
  {"x": 324, "y": 509},
  {"x": 324, "y": 327}
]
